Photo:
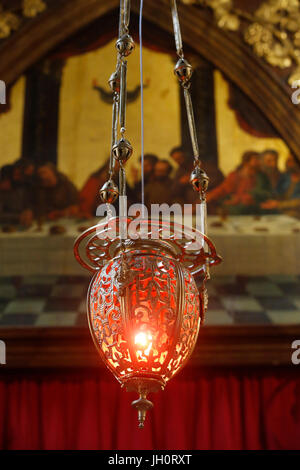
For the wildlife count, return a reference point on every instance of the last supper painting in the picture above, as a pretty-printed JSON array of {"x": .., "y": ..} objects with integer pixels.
[{"x": 150, "y": 227}]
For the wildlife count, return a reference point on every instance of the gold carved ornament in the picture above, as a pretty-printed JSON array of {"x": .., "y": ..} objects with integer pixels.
[
  {"x": 11, "y": 20},
  {"x": 273, "y": 30}
]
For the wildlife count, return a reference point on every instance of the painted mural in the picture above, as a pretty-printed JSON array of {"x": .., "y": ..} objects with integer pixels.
[{"x": 251, "y": 169}]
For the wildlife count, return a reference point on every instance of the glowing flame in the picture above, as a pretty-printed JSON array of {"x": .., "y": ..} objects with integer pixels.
[{"x": 144, "y": 341}]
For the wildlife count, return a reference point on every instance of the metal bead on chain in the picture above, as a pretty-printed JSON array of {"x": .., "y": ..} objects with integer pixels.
[
  {"x": 183, "y": 71},
  {"x": 109, "y": 192},
  {"x": 114, "y": 82},
  {"x": 122, "y": 150},
  {"x": 199, "y": 180},
  {"x": 125, "y": 45}
]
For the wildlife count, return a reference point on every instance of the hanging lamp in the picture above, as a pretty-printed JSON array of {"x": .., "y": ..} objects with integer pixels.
[{"x": 144, "y": 308}]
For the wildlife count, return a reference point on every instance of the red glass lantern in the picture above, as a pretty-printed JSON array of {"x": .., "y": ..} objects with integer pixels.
[{"x": 144, "y": 308}]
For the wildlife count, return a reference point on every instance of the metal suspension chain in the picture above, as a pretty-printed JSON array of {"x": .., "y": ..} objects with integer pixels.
[
  {"x": 121, "y": 149},
  {"x": 124, "y": 17},
  {"x": 184, "y": 71},
  {"x": 177, "y": 31}
]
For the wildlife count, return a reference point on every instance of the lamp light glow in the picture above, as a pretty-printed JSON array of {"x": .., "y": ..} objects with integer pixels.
[{"x": 144, "y": 341}]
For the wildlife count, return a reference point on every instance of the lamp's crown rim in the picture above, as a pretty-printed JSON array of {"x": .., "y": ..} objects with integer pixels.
[{"x": 98, "y": 245}]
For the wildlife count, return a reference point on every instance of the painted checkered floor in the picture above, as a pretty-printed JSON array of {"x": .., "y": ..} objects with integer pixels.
[{"x": 47, "y": 301}]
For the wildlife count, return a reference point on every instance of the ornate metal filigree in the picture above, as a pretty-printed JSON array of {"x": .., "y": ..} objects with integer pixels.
[
  {"x": 99, "y": 244},
  {"x": 273, "y": 30},
  {"x": 161, "y": 302}
]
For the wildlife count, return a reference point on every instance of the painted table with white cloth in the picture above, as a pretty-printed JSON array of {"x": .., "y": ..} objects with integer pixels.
[
  {"x": 248, "y": 245},
  {"x": 257, "y": 246}
]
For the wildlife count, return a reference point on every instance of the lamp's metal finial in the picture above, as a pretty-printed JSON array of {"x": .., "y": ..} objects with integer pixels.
[{"x": 142, "y": 405}]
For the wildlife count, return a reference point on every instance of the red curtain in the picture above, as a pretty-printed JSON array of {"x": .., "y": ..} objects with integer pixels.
[{"x": 210, "y": 410}]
